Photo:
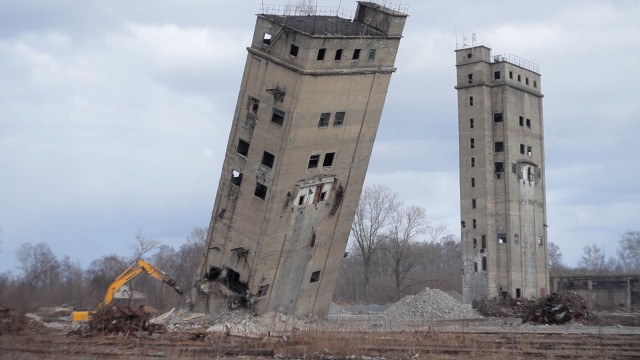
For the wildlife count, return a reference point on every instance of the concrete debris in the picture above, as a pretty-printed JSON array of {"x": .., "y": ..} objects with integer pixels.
[
  {"x": 553, "y": 309},
  {"x": 114, "y": 319},
  {"x": 429, "y": 305},
  {"x": 10, "y": 322}
]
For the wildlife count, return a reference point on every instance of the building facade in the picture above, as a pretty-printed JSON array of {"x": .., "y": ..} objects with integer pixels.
[
  {"x": 308, "y": 110},
  {"x": 502, "y": 187}
]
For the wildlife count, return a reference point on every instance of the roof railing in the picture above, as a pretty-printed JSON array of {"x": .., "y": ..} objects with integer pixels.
[{"x": 304, "y": 10}]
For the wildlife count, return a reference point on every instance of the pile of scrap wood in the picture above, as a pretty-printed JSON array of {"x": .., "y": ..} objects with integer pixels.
[
  {"x": 10, "y": 322},
  {"x": 553, "y": 309},
  {"x": 116, "y": 319}
]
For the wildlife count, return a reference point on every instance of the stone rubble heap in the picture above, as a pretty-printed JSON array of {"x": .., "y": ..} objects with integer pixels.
[{"x": 429, "y": 305}]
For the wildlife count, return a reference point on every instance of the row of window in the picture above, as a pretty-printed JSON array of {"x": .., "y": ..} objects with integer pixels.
[
  {"x": 263, "y": 289},
  {"x": 267, "y": 158},
  {"x": 260, "y": 190},
  {"x": 502, "y": 239},
  {"x": 338, "y": 55},
  {"x": 277, "y": 115},
  {"x": 498, "y": 118},
  {"x": 338, "y": 119},
  {"x": 314, "y": 160},
  {"x": 497, "y": 75}
]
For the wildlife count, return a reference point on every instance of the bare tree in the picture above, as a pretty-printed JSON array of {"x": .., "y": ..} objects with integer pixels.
[
  {"x": 38, "y": 264},
  {"x": 594, "y": 259},
  {"x": 555, "y": 258},
  {"x": 408, "y": 223},
  {"x": 373, "y": 214},
  {"x": 191, "y": 255},
  {"x": 629, "y": 251},
  {"x": 143, "y": 245}
]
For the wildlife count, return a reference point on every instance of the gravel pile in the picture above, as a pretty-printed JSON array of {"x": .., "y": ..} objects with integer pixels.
[{"x": 430, "y": 304}]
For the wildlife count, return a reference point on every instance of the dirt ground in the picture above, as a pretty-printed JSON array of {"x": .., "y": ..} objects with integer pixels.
[{"x": 343, "y": 338}]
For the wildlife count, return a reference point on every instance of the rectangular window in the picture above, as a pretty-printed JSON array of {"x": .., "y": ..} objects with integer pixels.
[
  {"x": 473, "y": 143},
  {"x": 372, "y": 54},
  {"x": 266, "y": 38},
  {"x": 521, "y": 120},
  {"x": 526, "y": 81},
  {"x": 262, "y": 290},
  {"x": 471, "y": 123},
  {"x": 502, "y": 238},
  {"x": 535, "y": 84},
  {"x": 324, "y": 120},
  {"x": 475, "y": 267},
  {"x": 499, "y": 167},
  {"x": 313, "y": 161},
  {"x": 339, "y": 119},
  {"x": 473, "y": 182},
  {"x": 518, "y": 293},
  {"x": 315, "y": 276},
  {"x": 499, "y": 146},
  {"x": 529, "y": 123},
  {"x": 277, "y": 117},
  {"x": 338, "y": 54},
  {"x": 321, "y": 53},
  {"x": 484, "y": 263},
  {"x": 518, "y": 77},
  {"x": 473, "y": 203},
  {"x": 301, "y": 200},
  {"x": 475, "y": 225},
  {"x": 484, "y": 241},
  {"x": 514, "y": 168},
  {"x": 293, "y": 50},
  {"x": 268, "y": 159},
  {"x": 470, "y": 77},
  {"x": 261, "y": 191},
  {"x": 475, "y": 243},
  {"x": 473, "y": 161},
  {"x": 328, "y": 159},
  {"x": 236, "y": 177},
  {"x": 529, "y": 151},
  {"x": 497, "y": 117},
  {"x": 253, "y": 104},
  {"x": 356, "y": 54},
  {"x": 540, "y": 240},
  {"x": 511, "y": 75},
  {"x": 522, "y": 149},
  {"x": 496, "y": 75},
  {"x": 243, "y": 147},
  {"x": 470, "y": 100}
]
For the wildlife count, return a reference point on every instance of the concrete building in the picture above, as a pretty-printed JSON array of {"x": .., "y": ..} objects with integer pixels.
[
  {"x": 305, "y": 122},
  {"x": 601, "y": 291},
  {"x": 502, "y": 187}
]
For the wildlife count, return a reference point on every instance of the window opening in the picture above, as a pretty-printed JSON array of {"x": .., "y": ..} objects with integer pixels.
[
  {"x": 293, "y": 50},
  {"x": 526, "y": 80},
  {"x": 313, "y": 161},
  {"x": 497, "y": 117},
  {"x": 522, "y": 149},
  {"x": 469, "y": 55},
  {"x": 475, "y": 266},
  {"x": 521, "y": 120},
  {"x": 268, "y": 159},
  {"x": 535, "y": 84},
  {"x": 484, "y": 241},
  {"x": 315, "y": 276},
  {"x": 262, "y": 290},
  {"x": 243, "y": 147},
  {"x": 529, "y": 151},
  {"x": 529, "y": 123},
  {"x": 266, "y": 38},
  {"x": 470, "y": 77},
  {"x": 321, "y": 53},
  {"x": 516, "y": 238},
  {"x": 496, "y": 75},
  {"x": 338, "y": 54},
  {"x": 339, "y": 118},
  {"x": 372, "y": 54},
  {"x": 518, "y": 77},
  {"x": 261, "y": 191},
  {"x": 514, "y": 168},
  {"x": 277, "y": 117},
  {"x": 518, "y": 293},
  {"x": 484, "y": 263},
  {"x": 499, "y": 146},
  {"x": 356, "y": 54},
  {"x": 499, "y": 167},
  {"x": 510, "y": 74},
  {"x": 323, "y": 196},
  {"x": 473, "y": 182},
  {"x": 328, "y": 159},
  {"x": 471, "y": 123},
  {"x": 475, "y": 243},
  {"x": 324, "y": 120},
  {"x": 253, "y": 104},
  {"x": 474, "y": 223},
  {"x": 236, "y": 177},
  {"x": 470, "y": 100},
  {"x": 301, "y": 200},
  {"x": 540, "y": 240},
  {"x": 473, "y": 203},
  {"x": 473, "y": 143},
  {"x": 473, "y": 161},
  {"x": 502, "y": 238}
]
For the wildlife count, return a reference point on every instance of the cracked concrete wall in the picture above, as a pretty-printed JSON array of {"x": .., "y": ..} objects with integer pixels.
[
  {"x": 286, "y": 245},
  {"x": 502, "y": 187}
]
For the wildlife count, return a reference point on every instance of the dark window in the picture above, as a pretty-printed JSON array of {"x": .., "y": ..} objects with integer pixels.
[
  {"x": 328, "y": 159},
  {"x": 484, "y": 241},
  {"x": 301, "y": 200},
  {"x": 510, "y": 74},
  {"x": 475, "y": 267},
  {"x": 518, "y": 77},
  {"x": 313, "y": 161},
  {"x": 339, "y": 119},
  {"x": 315, "y": 276},
  {"x": 469, "y": 55},
  {"x": 497, "y": 117},
  {"x": 277, "y": 117},
  {"x": 261, "y": 191},
  {"x": 529, "y": 123},
  {"x": 321, "y": 53},
  {"x": 499, "y": 167},
  {"x": 499, "y": 146},
  {"x": 293, "y": 50},
  {"x": 372, "y": 54},
  {"x": 473, "y": 182},
  {"x": 470, "y": 77},
  {"x": 496, "y": 75},
  {"x": 514, "y": 168},
  {"x": 535, "y": 84},
  {"x": 253, "y": 104},
  {"x": 522, "y": 149},
  {"x": 262, "y": 290},
  {"x": 475, "y": 225},
  {"x": 236, "y": 177},
  {"x": 338, "y": 54},
  {"x": 526, "y": 81},
  {"x": 470, "y": 100},
  {"x": 521, "y": 121},
  {"x": 324, "y": 120},
  {"x": 356, "y": 54},
  {"x": 502, "y": 238},
  {"x": 266, "y": 38},
  {"x": 475, "y": 243},
  {"x": 518, "y": 293},
  {"x": 243, "y": 147},
  {"x": 484, "y": 263},
  {"x": 267, "y": 159},
  {"x": 473, "y": 143},
  {"x": 473, "y": 162},
  {"x": 473, "y": 203},
  {"x": 529, "y": 151},
  {"x": 471, "y": 123}
]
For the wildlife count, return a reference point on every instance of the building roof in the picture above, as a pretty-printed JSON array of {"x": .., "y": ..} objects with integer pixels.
[{"x": 325, "y": 25}]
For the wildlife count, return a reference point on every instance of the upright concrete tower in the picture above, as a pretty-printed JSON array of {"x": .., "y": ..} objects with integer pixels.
[
  {"x": 502, "y": 187},
  {"x": 310, "y": 102}
]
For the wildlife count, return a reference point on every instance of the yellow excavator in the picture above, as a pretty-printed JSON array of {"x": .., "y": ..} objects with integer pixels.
[{"x": 132, "y": 271}]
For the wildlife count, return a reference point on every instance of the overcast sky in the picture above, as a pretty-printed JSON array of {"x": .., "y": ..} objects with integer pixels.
[{"x": 114, "y": 115}]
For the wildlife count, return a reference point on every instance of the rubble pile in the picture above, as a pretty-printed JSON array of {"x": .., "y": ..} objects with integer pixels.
[
  {"x": 429, "y": 304},
  {"x": 121, "y": 319},
  {"x": 335, "y": 309},
  {"x": 10, "y": 322},
  {"x": 553, "y": 309}
]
